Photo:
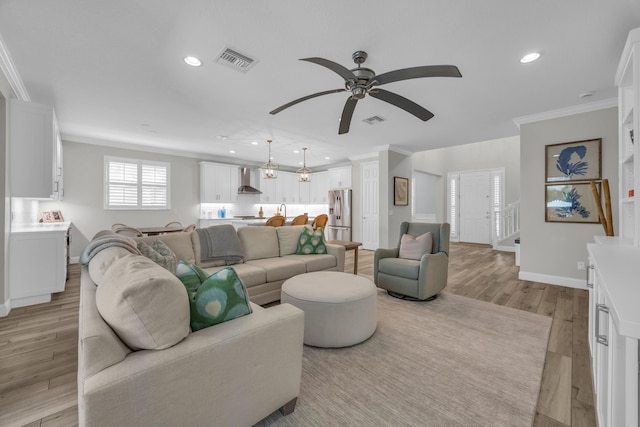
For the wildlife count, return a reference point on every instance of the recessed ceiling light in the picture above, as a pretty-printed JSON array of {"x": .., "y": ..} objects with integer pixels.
[
  {"x": 193, "y": 61},
  {"x": 295, "y": 151},
  {"x": 232, "y": 152},
  {"x": 530, "y": 57},
  {"x": 254, "y": 142},
  {"x": 327, "y": 158},
  {"x": 222, "y": 137}
]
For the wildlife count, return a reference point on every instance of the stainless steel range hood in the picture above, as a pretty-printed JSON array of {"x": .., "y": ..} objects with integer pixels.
[{"x": 245, "y": 183}]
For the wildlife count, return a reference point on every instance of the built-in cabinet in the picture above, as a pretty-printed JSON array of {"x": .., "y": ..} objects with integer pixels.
[
  {"x": 37, "y": 262},
  {"x": 614, "y": 330},
  {"x": 288, "y": 189},
  {"x": 218, "y": 183},
  {"x": 340, "y": 177},
  {"x": 35, "y": 151},
  {"x": 628, "y": 82},
  {"x": 319, "y": 188}
]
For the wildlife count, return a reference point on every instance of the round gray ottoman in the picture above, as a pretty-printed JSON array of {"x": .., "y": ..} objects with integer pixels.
[{"x": 340, "y": 309}]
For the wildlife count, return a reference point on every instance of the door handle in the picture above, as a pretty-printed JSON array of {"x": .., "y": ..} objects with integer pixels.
[
  {"x": 589, "y": 269},
  {"x": 600, "y": 338}
]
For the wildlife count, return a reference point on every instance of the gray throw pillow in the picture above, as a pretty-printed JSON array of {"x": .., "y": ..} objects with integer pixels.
[{"x": 159, "y": 253}]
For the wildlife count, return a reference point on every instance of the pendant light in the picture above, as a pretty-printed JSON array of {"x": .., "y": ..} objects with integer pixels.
[
  {"x": 304, "y": 173},
  {"x": 269, "y": 170}
]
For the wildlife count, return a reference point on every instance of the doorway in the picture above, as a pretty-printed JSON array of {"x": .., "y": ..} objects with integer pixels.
[{"x": 369, "y": 174}]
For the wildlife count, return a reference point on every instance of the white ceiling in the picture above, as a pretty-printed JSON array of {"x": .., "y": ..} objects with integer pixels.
[{"x": 114, "y": 70}]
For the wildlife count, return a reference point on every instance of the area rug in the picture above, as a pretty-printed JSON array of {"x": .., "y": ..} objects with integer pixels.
[{"x": 453, "y": 361}]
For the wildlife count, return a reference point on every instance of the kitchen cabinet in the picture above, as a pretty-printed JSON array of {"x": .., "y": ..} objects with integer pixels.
[
  {"x": 38, "y": 258},
  {"x": 319, "y": 189},
  {"x": 340, "y": 177},
  {"x": 35, "y": 151},
  {"x": 268, "y": 188},
  {"x": 218, "y": 183},
  {"x": 287, "y": 190},
  {"x": 614, "y": 330}
]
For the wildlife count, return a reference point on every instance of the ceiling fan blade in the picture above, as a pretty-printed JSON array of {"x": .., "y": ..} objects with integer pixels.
[
  {"x": 347, "y": 113},
  {"x": 402, "y": 102},
  {"x": 304, "y": 98},
  {"x": 418, "y": 72},
  {"x": 344, "y": 72}
]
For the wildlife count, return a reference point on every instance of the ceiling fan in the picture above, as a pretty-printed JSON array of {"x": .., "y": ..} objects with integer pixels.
[{"x": 361, "y": 81}]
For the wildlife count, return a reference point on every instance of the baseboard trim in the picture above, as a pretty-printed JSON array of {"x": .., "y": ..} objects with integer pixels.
[
  {"x": 5, "y": 308},
  {"x": 569, "y": 282},
  {"x": 504, "y": 248}
]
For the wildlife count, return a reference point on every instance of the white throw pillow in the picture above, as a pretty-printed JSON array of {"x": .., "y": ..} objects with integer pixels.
[
  {"x": 144, "y": 304},
  {"x": 413, "y": 247},
  {"x": 101, "y": 262}
]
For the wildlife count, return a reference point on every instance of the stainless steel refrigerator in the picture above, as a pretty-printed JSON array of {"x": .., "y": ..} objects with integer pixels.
[{"x": 339, "y": 224}]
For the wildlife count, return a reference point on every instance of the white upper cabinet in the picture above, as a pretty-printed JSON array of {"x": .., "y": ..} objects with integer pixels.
[
  {"x": 340, "y": 177},
  {"x": 218, "y": 183},
  {"x": 319, "y": 189},
  {"x": 35, "y": 151}
]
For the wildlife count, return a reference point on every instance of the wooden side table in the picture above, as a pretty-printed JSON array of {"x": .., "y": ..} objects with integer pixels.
[{"x": 349, "y": 246}]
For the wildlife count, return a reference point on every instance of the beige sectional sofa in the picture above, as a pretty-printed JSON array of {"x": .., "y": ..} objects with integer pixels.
[{"x": 233, "y": 373}]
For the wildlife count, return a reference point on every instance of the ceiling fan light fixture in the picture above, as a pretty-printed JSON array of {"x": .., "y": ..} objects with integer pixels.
[
  {"x": 269, "y": 170},
  {"x": 530, "y": 57},
  {"x": 304, "y": 173}
]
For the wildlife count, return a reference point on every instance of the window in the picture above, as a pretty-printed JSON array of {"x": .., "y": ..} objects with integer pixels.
[
  {"x": 136, "y": 184},
  {"x": 453, "y": 179}
]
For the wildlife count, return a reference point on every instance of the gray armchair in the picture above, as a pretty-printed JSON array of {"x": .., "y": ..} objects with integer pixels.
[{"x": 411, "y": 279}]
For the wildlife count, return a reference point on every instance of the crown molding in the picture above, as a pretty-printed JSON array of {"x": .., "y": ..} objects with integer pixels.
[
  {"x": 393, "y": 148},
  {"x": 569, "y": 111},
  {"x": 11, "y": 72}
]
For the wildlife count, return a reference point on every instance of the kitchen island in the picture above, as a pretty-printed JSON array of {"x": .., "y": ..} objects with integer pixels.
[{"x": 240, "y": 221}]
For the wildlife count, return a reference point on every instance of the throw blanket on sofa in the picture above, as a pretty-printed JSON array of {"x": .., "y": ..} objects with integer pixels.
[
  {"x": 107, "y": 241},
  {"x": 220, "y": 242}
]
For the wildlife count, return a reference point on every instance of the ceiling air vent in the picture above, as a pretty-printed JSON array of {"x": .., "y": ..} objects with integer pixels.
[
  {"x": 373, "y": 120},
  {"x": 235, "y": 60}
]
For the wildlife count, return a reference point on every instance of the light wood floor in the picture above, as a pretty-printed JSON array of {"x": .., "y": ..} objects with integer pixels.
[{"x": 38, "y": 344}]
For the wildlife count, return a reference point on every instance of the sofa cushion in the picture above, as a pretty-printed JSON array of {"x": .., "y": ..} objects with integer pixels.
[
  {"x": 259, "y": 242},
  {"x": 251, "y": 275},
  {"x": 159, "y": 253},
  {"x": 311, "y": 242},
  {"x": 144, "y": 304},
  {"x": 101, "y": 262},
  {"x": 279, "y": 268},
  {"x": 179, "y": 243},
  {"x": 407, "y": 268},
  {"x": 413, "y": 247},
  {"x": 288, "y": 238},
  {"x": 316, "y": 263}
]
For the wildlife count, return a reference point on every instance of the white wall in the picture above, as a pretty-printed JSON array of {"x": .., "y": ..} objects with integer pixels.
[
  {"x": 497, "y": 153},
  {"x": 5, "y": 216},
  {"x": 399, "y": 165},
  {"x": 550, "y": 251},
  {"x": 83, "y": 192},
  {"x": 426, "y": 196}
]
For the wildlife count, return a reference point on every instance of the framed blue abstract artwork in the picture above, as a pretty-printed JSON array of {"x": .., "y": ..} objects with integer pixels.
[
  {"x": 570, "y": 202},
  {"x": 573, "y": 161}
]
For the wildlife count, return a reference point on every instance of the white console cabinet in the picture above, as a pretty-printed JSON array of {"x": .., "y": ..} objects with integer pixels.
[
  {"x": 614, "y": 330},
  {"x": 38, "y": 256}
]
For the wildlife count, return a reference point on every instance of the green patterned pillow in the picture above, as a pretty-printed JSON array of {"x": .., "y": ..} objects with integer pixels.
[
  {"x": 218, "y": 298},
  {"x": 190, "y": 275},
  {"x": 159, "y": 253},
  {"x": 311, "y": 242}
]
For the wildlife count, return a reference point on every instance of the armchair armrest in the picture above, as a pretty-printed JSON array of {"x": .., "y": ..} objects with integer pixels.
[
  {"x": 379, "y": 254},
  {"x": 433, "y": 273}
]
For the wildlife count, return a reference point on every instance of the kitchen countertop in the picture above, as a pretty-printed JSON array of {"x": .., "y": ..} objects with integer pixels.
[{"x": 40, "y": 227}]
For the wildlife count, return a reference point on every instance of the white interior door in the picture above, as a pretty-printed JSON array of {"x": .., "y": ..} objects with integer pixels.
[
  {"x": 369, "y": 174},
  {"x": 475, "y": 207}
]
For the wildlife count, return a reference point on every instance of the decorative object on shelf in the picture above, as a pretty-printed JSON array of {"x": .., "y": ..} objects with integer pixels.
[
  {"x": 573, "y": 161},
  {"x": 605, "y": 220},
  {"x": 304, "y": 173},
  {"x": 631, "y": 193},
  {"x": 570, "y": 202},
  {"x": 260, "y": 212},
  {"x": 400, "y": 191},
  {"x": 51, "y": 216},
  {"x": 269, "y": 170}
]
